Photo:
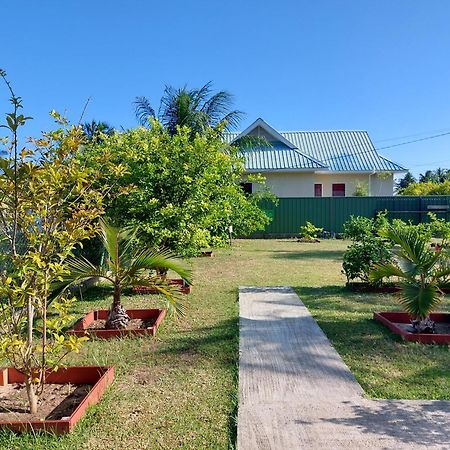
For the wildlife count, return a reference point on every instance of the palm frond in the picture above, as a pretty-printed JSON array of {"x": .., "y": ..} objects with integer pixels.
[
  {"x": 380, "y": 271},
  {"x": 143, "y": 110},
  {"x": 174, "y": 300},
  {"x": 417, "y": 300},
  {"x": 150, "y": 259}
]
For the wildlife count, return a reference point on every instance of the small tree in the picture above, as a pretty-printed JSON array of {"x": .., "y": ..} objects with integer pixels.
[
  {"x": 127, "y": 266},
  {"x": 182, "y": 192},
  {"x": 47, "y": 208}
]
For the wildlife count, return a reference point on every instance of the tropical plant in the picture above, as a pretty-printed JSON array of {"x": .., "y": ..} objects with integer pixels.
[
  {"x": 47, "y": 208},
  {"x": 309, "y": 231},
  {"x": 419, "y": 272},
  {"x": 197, "y": 109},
  {"x": 127, "y": 265}
]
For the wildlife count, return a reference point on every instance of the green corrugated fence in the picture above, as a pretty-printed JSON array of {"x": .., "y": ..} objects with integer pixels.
[{"x": 330, "y": 213}]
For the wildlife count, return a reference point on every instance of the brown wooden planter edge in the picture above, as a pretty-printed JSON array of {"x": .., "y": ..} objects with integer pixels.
[
  {"x": 99, "y": 376},
  {"x": 81, "y": 327},
  {"x": 389, "y": 319}
]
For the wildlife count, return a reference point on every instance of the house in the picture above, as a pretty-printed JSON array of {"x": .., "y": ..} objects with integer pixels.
[{"x": 316, "y": 163}]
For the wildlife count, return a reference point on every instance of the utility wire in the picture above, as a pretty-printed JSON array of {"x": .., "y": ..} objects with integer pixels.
[{"x": 384, "y": 148}]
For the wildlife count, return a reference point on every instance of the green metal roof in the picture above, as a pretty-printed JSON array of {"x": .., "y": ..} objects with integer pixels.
[{"x": 340, "y": 151}]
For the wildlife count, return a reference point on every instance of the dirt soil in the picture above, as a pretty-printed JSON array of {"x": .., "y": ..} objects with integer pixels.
[
  {"x": 57, "y": 401},
  {"x": 441, "y": 327},
  {"x": 133, "y": 324}
]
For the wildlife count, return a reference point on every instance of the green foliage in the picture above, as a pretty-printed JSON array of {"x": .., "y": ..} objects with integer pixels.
[
  {"x": 361, "y": 189},
  {"x": 405, "y": 181},
  {"x": 427, "y": 188},
  {"x": 126, "y": 265},
  {"x": 197, "y": 109},
  {"x": 182, "y": 193},
  {"x": 362, "y": 254},
  {"x": 48, "y": 208},
  {"x": 417, "y": 267},
  {"x": 360, "y": 227},
  {"x": 309, "y": 231}
]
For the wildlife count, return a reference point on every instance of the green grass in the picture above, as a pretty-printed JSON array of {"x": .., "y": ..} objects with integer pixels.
[{"x": 179, "y": 390}]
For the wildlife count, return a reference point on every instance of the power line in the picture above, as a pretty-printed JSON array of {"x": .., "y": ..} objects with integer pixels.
[
  {"x": 442, "y": 130},
  {"x": 386, "y": 147}
]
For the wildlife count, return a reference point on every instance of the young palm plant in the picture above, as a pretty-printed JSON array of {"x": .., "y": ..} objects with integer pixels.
[
  {"x": 125, "y": 267},
  {"x": 419, "y": 271}
]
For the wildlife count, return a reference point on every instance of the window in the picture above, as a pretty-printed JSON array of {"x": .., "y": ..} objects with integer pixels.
[
  {"x": 338, "y": 190},
  {"x": 247, "y": 187},
  {"x": 318, "y": 190}
]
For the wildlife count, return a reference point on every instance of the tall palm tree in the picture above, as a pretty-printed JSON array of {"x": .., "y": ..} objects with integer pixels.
[
  {"x": 196, "y": 108},
  {"x": 419, "y": 270},
  {"x": 123, "y": 267}
]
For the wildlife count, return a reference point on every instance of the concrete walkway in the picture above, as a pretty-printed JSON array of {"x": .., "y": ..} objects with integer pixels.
[{"x": 297, "y": 393}]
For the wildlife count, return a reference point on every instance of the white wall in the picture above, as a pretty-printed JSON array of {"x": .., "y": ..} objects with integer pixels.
[{"x": 301, "y": 184}]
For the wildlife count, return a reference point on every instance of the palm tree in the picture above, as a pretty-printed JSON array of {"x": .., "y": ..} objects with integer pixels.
[
  {"x": 123, "y": 267},
  {"x": 94, "y": 130},
  {"x": 419, "y": 270},
  {"x": 196, "y": 108}
]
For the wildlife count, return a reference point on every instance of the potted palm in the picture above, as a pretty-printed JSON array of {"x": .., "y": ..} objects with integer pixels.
[
  {"x": 125, "y": 266},
  {"x": 419, "y": 271}
]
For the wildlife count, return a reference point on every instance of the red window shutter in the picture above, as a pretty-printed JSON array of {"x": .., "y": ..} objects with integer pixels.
[
  {"x": 338, "y": 190},
  {"x": 318, "y": 190}
]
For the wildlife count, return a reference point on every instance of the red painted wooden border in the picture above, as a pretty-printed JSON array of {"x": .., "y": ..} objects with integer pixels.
[
  {"x": 100, "y": 378},
  {"x": 390, "y": 319},
  {"x": 81, "y": 327}
]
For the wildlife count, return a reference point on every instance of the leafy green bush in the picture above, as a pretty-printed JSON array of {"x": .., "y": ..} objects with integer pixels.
[
  {"x": 181, "y": 191},
  {"x": 362, "y": 255},
  {"x": 360, "y": 227},
  {"x": 309, "y": 231}
]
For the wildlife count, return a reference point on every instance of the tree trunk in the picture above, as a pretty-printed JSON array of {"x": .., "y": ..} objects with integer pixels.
[
  {"x": 118, "y": 317},
  {"x": 31, "y": 393},
  {"x": 425, "y": 325}
]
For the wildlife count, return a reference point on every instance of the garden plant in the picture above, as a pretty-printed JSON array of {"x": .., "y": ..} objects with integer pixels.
[
  {"x": 419, "y": 270},
  {"x": 48, "y": 207},
  {"x": 127, "y": 265}
]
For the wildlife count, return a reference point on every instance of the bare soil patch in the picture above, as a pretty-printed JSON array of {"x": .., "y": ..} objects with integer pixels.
[
  {"x": 133, "y": 324},
  {"x": 58, "y": 401}
]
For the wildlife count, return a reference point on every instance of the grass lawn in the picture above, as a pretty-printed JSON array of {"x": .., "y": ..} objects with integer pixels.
[{"x": 178, "y": 390}]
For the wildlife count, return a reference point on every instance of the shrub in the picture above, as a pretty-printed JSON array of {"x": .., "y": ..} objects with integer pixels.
[
  {"x": 309, "y": 231},
  {"x": 359, "y": 227},
  {"x": 362, "y": 255}
]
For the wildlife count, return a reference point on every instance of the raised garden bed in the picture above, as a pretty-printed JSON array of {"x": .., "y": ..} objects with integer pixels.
[
  {"x": 399, "y": 323},
  {"x": 67, "y": 395},
  {"x": 207, "y": 254},
  {"x": 184, "y": 288},
  {"x": 143, "y": 322}
]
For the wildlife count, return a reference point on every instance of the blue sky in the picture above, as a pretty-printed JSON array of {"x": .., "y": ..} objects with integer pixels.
[{"x": 378, "y": 65}]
